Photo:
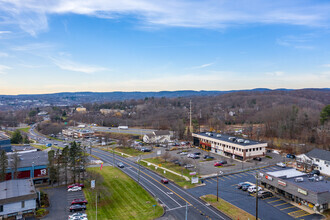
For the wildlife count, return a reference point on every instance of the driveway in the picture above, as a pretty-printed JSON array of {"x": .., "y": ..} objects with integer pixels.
[{"x": 60, "y": 201}]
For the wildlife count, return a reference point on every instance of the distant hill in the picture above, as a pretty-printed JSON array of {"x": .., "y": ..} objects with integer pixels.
[{"x": 72, "y": 98}]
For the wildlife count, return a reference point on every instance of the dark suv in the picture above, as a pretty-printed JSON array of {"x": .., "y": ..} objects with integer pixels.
[
  {"x": 74, "y": 208},
  {"x": 264, "y": 194}
]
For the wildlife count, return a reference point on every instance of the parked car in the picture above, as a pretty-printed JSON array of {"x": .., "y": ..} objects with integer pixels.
[
  {"x": 145, "y": 150},
  {"x": 120, "y": 165},
  {"x": 264, "y": 194},
  {"x": 76, "y": 184},
  {"x": 257, "y": 158},
  {"x": 74, "y": 208},
  {"x": 79, "y": 202},
  {"x": 164, "y": 180},
  {"x": 240, "y": 185},
  {"x": 197, "y": 153},
  {"x": 78, "y": 215},
  {"x": 207, "y": 157},
  {"x": 183, "y": 153},
  {"x": 217, "y": 164},
  {"x": 291, "y": 156},
  {"x": 194, "y": 156},
  {"x": 280, "y": 164},
  {"x": 246, "y": 186},
  {"x": 253, "y": 189},
  {"x": 314, "y": 172},
  {"x": 223, "y": 162},
  {"x": 189, "y": 166},
  {"x": 74, "y": 189}
]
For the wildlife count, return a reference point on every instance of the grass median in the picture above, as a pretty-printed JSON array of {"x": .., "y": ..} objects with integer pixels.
[
  {"x": 121, "y": 198},
  {"x": 178, "y": 179},
  {"x": 229, "y": 209}
]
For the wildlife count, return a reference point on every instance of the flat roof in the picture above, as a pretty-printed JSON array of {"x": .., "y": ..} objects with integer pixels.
[
  {"x": 289, "y": 175},
  {"x": 17, "y": 190},
  {"x": 3, "y": 136},
  {"x": 36, "y": 158},
  {"x": 225, "y": 137}
]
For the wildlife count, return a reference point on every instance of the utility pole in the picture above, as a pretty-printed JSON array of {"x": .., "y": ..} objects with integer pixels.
[
  {"x": 96, "y": 207},
  {"x": 113, "y": 155},
  {"x": 186, "y": 211},
  {"x": 190, "y": 117},
  {"x": 139, "y": 158},
  {"x": 220, "y": 172}
]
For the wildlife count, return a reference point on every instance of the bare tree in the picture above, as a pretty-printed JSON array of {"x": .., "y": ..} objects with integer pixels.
[{"x": 166, "y": 156}]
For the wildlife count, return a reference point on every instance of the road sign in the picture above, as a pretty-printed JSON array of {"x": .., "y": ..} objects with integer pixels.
[
  {"x": 93, "y": 184},
  {"x": 192, "y": 173},
  {"x": 159, "y": 152},
  {"x": 194, "y": 179}
]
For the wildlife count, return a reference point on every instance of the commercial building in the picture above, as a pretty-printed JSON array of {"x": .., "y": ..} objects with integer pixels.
[
  {"x": 79, "y": 133},
  {"x": 159, "y": 137},
  {"x": 81, "y": 109},
  {"x": 230, "y": 146},
  {"x": 30, "y": 165},
  {"x": 5, "y": 142},
  {"x": 17, "y": 197},
  {"x": 296, "y": 186}
]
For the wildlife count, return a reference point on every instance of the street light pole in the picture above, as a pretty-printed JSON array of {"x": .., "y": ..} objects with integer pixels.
[
  {"x": 220, "y": 172},
  {"x": 257, "y": 178}
]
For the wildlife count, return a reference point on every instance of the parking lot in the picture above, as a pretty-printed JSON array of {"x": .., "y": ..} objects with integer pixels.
[
  {"x": 269, "y": 208},
  {"x": 60, "y": 201}
]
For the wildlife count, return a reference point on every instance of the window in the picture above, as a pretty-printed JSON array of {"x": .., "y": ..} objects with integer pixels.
[
  {"x": 23, "y": 204},
  {"x": 1, "y": 208}
]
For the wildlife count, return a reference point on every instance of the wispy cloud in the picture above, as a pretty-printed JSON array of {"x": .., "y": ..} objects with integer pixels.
[
  {"x": 66, "y": 64},
  {"x": 297, "y": 42},
  {"x": 326, "y": 65},
  {"x": 33, "y": 47},
  {"x": 2, "y": 54},
  {"x": 275, "y": 73},
  {"x": 31, "y": 16},
  {"x": 3, "y": 69},
  {"x": 202, "y": 66}
]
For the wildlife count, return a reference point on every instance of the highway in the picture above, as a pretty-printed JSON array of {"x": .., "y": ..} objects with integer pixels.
[{"x": 175, "y": 199}]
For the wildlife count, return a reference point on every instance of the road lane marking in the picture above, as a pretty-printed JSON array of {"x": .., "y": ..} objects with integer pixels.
[
  {"x": 268, "y": 198},
  {"x": 109, "y": 155},
  {"x": 303, "y": 215}
]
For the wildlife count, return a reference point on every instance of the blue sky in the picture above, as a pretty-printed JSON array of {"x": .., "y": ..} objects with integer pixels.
[{"x": 142, "y": 45}]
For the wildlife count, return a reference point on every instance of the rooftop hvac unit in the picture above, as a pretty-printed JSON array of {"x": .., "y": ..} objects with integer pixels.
[
  {"x": 246, "y": 142},
  {"x": 299, "y": 179},
  {"x": 240, "y": 140},
  {"x": 218, "y": 135}
]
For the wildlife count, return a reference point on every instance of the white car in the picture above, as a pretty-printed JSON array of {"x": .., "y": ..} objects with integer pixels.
[
  {"x": 74, "y": 189},
  {"x": 78, "y": 215},
  {"x": 281, "y": 165},
  {"x": 183, "y": 153},
  {"x": 190, "y": 155},
  {"x": 253, "y": 189}
]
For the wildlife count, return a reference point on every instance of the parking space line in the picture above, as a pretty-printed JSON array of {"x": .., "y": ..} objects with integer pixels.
[
  {"x": 303, "y": 215},
  {"x": 226, "y": 177},
  {"x": 238, "y": 175},
  {"x": 275, "y": 200},
  {"x": 280, "y": 204},
  {"x": 293, "y": 213},
  {"x": 244, "y": 174},
  {"x": 268, "y": 198},
  {"x": 208, "y": 181},
  {"x": 289, "y": 207}
]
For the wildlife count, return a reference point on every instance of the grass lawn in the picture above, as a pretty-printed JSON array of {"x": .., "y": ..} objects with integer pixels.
[
  {"x": 125, "y": 199},
  {"x": 41, "y": 147},
  {"x": 171, "y": 166},
  {"x": 26, "y": 130},
  {"x": 227, "y": 208}
]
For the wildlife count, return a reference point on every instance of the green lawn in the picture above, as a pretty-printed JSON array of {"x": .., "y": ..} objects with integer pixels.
[
  {"x": 171, "y": 166},
  {"x": 41, "y": 147},
  {"x": 26, "y": 130},
  {"x": 123, "y": 199},
  {"x": 232, "y": 211},
  {"x": 131, "y": 151}
]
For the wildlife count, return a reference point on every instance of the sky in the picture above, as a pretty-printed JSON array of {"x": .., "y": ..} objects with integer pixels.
[{"x": 152, "y": 45}]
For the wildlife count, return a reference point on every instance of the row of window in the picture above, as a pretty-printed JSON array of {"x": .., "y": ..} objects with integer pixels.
[{"x": 230, "y": 147}]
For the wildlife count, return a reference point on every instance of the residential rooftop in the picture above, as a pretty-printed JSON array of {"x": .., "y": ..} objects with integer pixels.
[
  {"x": 230, "y": 138},
  {"x": 17, "y": 190},
  {"x": 319, "y": 154},
  {"x": 289, "y": 175}
]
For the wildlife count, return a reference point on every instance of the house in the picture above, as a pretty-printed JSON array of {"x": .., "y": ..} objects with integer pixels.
[
  {"x": 81, "y": 109},
  {"x": 229, "y": 146},
  {"x": 319, "y": 158},
  {"x": 159, "y": 137},
  {"x": 17, "y": 197}
]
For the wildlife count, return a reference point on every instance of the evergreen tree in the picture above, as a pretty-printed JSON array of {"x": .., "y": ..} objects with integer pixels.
[
  {"x": 325, "y": 114},
  {"x": 17, "y": 137}
]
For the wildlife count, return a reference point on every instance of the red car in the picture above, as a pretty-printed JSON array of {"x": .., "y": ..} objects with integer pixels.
[
  {"x": 79, "y": 202},
  {"x": 217, "y": 164},
  {"x": 165, "y": 181},
  {"x": 76, "y": 184}
]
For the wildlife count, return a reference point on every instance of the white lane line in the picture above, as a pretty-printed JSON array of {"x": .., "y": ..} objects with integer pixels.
[
  {"x": 191, "y": 197},
  {"x": 154, "y": 186},
  {"x": 178, "y": 208}
]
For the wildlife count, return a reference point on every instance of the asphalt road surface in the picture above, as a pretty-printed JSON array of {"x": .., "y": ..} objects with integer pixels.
[{"x": 175, "y": 199}]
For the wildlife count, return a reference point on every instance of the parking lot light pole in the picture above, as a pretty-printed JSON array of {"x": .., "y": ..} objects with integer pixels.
[
  {"x": 257, "y": 186},
  {"x": 220, "y": 172}
]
